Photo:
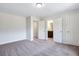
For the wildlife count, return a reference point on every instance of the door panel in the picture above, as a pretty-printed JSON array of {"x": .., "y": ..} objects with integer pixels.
[
  {"x": 41, "y": 30},
  {"x": 70, "y": 29},
  {"x": 67, "y": 29},
  {"x": 58, "y": 30}
]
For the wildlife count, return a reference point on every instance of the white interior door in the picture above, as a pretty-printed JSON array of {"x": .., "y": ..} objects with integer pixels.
[
  {"x": 57, "y": 27},
  {"x": 70, "y": 30},
  {"x": 42, "y": 29},
  {"x": 67, "y": 30}
]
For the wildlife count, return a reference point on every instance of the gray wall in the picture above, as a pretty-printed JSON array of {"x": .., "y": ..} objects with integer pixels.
[
  {"x": 29, "y": 22},
  {"x": 35, "y": 29},
  {"x": 12, "y": 28}
]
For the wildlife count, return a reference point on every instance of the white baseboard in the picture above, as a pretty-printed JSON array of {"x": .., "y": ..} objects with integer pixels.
[{"x": 7, "y": 42}]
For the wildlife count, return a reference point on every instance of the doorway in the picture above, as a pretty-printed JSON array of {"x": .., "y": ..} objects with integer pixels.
[
  {"x": 35, "y": 29},
  {"x": 50, "y": 29}
]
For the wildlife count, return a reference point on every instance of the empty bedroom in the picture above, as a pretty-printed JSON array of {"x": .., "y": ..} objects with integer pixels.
[{"x": 39, "y": 29}]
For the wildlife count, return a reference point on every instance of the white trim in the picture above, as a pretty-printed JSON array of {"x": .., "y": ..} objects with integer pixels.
[{"x": 8, "y": 42}]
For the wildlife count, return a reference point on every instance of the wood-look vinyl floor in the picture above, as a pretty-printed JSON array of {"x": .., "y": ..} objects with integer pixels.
[{"x": 38, "y": 48}]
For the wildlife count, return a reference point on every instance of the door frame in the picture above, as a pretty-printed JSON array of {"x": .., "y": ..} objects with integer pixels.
[
  {"x": 47, "y": 29},
  {"x": 53, "y": 28}
]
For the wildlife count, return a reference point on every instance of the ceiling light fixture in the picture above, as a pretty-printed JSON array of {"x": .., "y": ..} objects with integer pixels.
[{"x": 39, "y": 5}]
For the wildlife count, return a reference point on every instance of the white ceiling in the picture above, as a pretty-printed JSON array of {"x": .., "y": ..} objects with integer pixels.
[{"x": 27, "y": 9}]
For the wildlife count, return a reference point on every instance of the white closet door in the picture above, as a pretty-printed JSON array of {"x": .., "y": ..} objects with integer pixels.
[
  {"x": 57, "y": 26},
  {"x": 42, "y": 29},
  {"x": 67, "y": 29},
  {"x": 70, "y": 29}
]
